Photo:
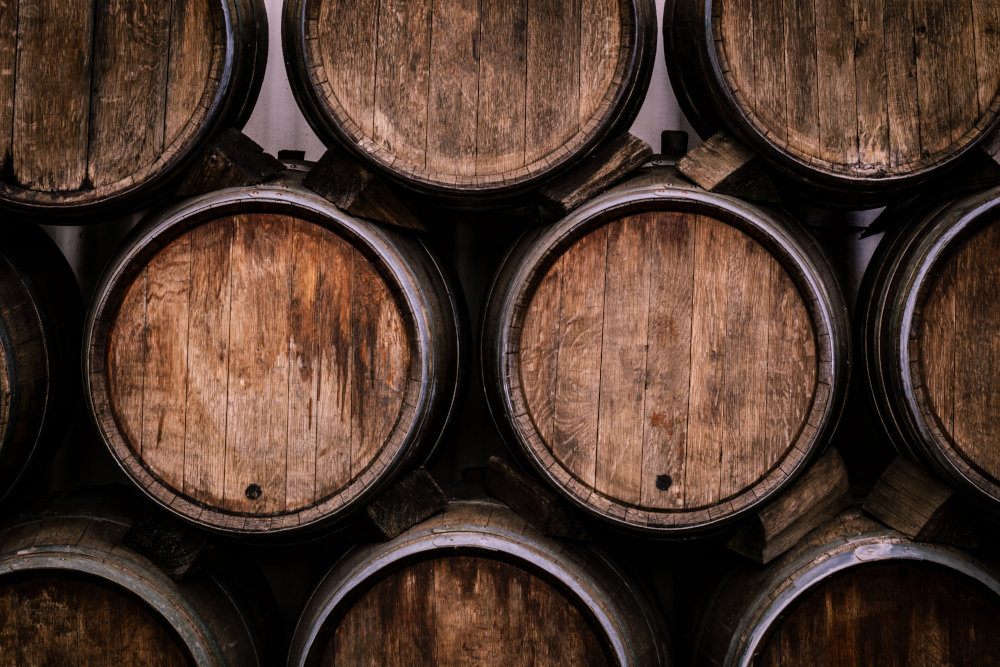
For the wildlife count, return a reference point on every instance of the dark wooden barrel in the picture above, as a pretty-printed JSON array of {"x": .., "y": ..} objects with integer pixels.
[
  {"x": 854, "y": 593},
  {"x": 72, "y": 593},
  {"x": 260, "y": 362},
  {"x": 41, "y": 317},
  {"x": 471, "y": 102},
  {"x": 667, "y": 358},
  {"x": 477, "y": 585},
  {"x": 861, "y": 99},
  {"x": 103, "y": 102},
  {"x": 931, "y": 350}
]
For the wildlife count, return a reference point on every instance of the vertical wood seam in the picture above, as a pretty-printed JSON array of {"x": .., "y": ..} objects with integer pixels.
[
  {"x": 90, "y": 89},
  {"x": 687, "y": 424},
  {"x": 187, "y": 361},
  {"x": 166, "y": 87},
  {"x": 857, "y": 96},
  {"x": 975, "y": 58},
  {"x": 650, "y": 220},
  {"x": 479, "y": 87},
  {"x": 288, "y": 347},
  {"x": 318, "y": 361},
  {"x": 229, "y": 355},
  {"x": 378, "y": 27},
  {"x": 524, "y": 126},
  {"x": 815, "y": 56},
  {"x": 600, "y": 362},
  {"x": 13, "y": 88},
  {"x": 430, "y": 78},
  {"x": 355, "y": 409},
  {"x": 916, "y": 79},
  {"x": 772, "y": 266},
  {"x": 145, "y": 350}
]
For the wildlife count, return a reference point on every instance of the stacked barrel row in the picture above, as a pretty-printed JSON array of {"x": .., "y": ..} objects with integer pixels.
[{"x": 261, "y": 364}]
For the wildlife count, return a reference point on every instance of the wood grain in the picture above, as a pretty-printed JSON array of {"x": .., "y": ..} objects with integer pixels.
[
  {"x": 47, "y": 620},
  {"x": 958, "y": 352},
  {"x": 469, "y": 92},
  {"x": 888, "y": 614},
  {"x": 270, "y": 366},
  {"x": 464, "y": 610},
  {"x": 103, "y": 93},
  {"x": 693, "y": 343},
  {"x": 865, "y": 87}
]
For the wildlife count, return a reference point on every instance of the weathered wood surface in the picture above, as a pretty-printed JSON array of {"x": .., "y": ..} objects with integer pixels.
[
  {"x": 258, "y": 363},
  {"x": 466, "y": 95},
  {"x": 819, "y": 495},
  {"x": 464, "y": 610},
  {"x": 667, "y": 360},
  {"x": 867, "y": 87},
  {"x": 889, "y": 614},
  {"x": 477, "y": 584},
  {"x": 102, "y": 97},
  {"x": 232, "y": 159},
  {"x": 957, "y": 350},
  {"x": 920, "y": 506},
  {"x": 725, "y": 166},
  {"x": 48, "y": 620}
]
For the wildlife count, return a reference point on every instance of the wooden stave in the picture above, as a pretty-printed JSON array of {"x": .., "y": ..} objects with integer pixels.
[
  {"x": 708, "y": 103},
  {"x": 244, "y": 71},
  {"x": 624, "y": 111},
  {"x": 897, "y": 275},
  {"x": 646, "y": 191},
  {"x": 40, "y": 351},
  {"x": 490, "y": 529},
  {"x": 423, "y": 281},
  {"x": 220, "y": 619},
  {"x": 735, "y": 612}
]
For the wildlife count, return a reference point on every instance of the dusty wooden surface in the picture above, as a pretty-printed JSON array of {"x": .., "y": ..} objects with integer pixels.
[
  {"x": 64, "y": 619},
  {"x": 464, "y": 610},
  {"x": 898, "y": 613},
  {"x": 258, "y": 364},
  {"x": 957, "y": 351},
  {"x": 864, "y": 87},
  {"x": 667, "y": 361},
  {"x": 99, "y": 96},
  {"x": 468, "y": 93}
]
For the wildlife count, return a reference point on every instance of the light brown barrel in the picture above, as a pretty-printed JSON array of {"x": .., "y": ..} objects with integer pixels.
[
  {"x": 854, "y": 593},
  {"x": 104, "y": 102},
  {"x": 469, "y": 101},
  {"x": 667, "y": 358},
  {"x": 477, "y": 585},
  {"x": 41, "y": 314},
  {"x": 932, "y": 353},
  {"x": 864, "y": 99},
  {"x": 72, "y": 593},
  {"x": 260, "y": 362}
]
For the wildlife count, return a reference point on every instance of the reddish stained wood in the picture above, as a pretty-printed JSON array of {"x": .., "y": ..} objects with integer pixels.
[
  {"x": 463, "y": 610},
  {"x": 936, "y": 339},
  {"x": 623, "y": 360},
  {"x": 577, "y": 383},
  {"x": 898, "y": 613},
  {"x": 668, "y": 382},
  {"x": 801, "y": 73},
  {"x": 601, "y": 34},
  {"x": 986, "y": 24},
  {"x": 901, "y": 80},
  {"x": 869, "y": 56},
  {"x": 769, "y": 85},
  {"x": 208, "y": 361},
  {"x": 838, "y": 104},
  {"x": 52, "y": 95},
  {"x": 538, "y": 352},
  {"x": 502, "y": 86},
  {"x": 127, "y": 362}
]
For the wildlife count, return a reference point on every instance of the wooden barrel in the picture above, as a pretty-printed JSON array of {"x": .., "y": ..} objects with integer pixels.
[
  {"x": 71, "y": 592},
  {"x": 854, "y": 593},
  {"x": 103, "y": 102},
  {"x": 931, "y": 350},
  {"x": 476, "y": 585},
  {"x": 41, "y": 316},
  {"x": 863, "y": 100},
  {"x": 467, "y": 101},
  {"x": 666, "y": 357},
  {"x": 260, "y": 362}
]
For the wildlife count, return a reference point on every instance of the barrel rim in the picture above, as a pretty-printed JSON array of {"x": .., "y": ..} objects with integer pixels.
[
  {"x": 153, "y": 588},
  {"x": 823, "y": 302},
  {"x": 874, "y": 188},
  {"x": 948, "y": 227},
  {"x": 803, "y": 575},
  {"x": 361, "y": 567},
  {"x": 620, "y": 113},
  {"x": 365, "y": 237},
  {"x": 240, "y": 76}
]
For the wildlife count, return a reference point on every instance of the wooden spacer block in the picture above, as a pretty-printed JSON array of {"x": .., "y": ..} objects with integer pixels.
[
  {"x": 542, "y": 508},
  {"x": 725, "y": 166},
  {"x": 232, "y": 159},
  {"x": 411, "y": 500}
]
